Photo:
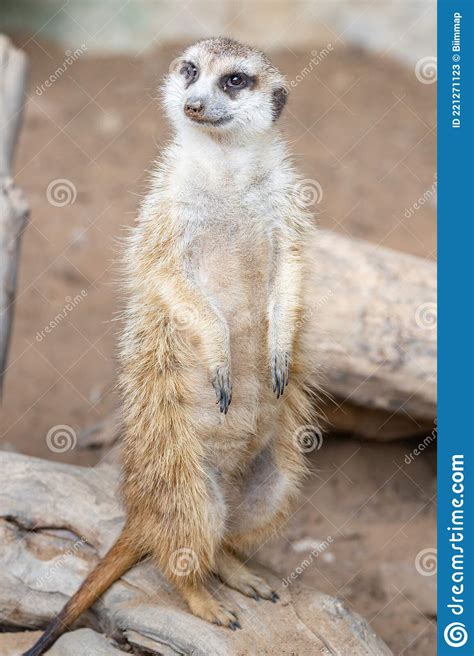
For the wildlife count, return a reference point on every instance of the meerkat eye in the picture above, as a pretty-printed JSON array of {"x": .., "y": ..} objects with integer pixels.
[
  {"x": 190, "y": 71},
  {"x": 235, "y": 81}
]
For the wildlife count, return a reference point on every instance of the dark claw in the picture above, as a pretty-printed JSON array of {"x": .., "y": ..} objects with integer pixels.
[
  {"x": 255, "y": 596},
  {"x": 223, "y": 389},
  {"x": 234, "y": 625},
  {"x": 280, "y": 373},
  {"x": 275, "y": 597},
  {"x": 224, "y": 402}
]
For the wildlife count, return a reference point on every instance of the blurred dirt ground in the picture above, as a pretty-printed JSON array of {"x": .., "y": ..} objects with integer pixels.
[{"x": 363, "y": 127}]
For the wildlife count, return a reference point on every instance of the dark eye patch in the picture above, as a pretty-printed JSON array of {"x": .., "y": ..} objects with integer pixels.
[
  {"x": 190, "y": 72},
  {"x": 279, "y": 98},
  {"x": 232, "y": 83}
]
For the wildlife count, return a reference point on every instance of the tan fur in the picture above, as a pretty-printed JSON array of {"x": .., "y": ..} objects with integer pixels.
[{"x": 215, "y": 271}]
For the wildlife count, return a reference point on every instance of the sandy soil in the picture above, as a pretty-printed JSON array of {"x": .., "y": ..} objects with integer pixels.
[{"x": 359, "y": 125}]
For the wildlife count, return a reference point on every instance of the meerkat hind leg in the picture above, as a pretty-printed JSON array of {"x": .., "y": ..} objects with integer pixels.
[
  {"x": 204, "y": 605},
  {"x": 238, "y": 576}
]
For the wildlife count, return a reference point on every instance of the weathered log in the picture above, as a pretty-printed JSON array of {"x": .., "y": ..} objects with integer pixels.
[
  {"x": 13, "y": 205},
  {"x": 55, "y": 522},
  {"x": 373, "y": 330}
]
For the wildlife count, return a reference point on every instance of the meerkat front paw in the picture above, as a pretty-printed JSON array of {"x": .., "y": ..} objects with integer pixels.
[
  {"x": 280, "y": 367},
  {"x": 222, "y": 384}
]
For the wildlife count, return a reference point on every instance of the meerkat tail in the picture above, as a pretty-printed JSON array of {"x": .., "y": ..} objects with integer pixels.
[{"x": 121, "y": 557}]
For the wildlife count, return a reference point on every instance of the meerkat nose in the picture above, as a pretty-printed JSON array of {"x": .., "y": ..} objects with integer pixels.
[{"x": 194, "y": 107}]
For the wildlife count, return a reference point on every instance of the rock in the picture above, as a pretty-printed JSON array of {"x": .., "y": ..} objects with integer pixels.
[
  {"x": 82, "y": 642},
  {"x": 56, "y": 520},
  {"x": 14, "y": 644}
]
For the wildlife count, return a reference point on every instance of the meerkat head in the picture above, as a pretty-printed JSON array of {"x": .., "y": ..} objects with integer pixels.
[{"x": 224, "y": 87}]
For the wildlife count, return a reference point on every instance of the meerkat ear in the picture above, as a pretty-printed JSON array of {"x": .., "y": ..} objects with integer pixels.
[
  {"x": 279, "y": 99},
  {"x": 176, "y": 64}
]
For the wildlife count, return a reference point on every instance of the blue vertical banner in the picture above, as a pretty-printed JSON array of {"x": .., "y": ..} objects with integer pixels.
[{"x": 455, "y": 327}]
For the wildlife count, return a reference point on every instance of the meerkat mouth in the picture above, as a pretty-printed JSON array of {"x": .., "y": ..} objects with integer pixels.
[{"x": 208, "y": 122}]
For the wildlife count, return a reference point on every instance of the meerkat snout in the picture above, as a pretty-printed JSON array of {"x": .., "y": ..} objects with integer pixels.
[
  {"x": 221, "y": 86},
  {"x": 194, "y": 108}
]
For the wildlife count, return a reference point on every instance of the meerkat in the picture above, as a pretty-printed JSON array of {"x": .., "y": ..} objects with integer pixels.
[{"x": 213, "y": 378}]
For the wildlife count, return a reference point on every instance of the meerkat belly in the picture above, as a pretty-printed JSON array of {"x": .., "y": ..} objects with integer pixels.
[{"x": 234, "y": 271}]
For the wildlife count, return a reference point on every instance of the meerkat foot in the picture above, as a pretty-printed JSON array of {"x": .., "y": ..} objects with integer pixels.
[
  {"x": 239, "y": 577},
  {"x": 204, "y": 605}
]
